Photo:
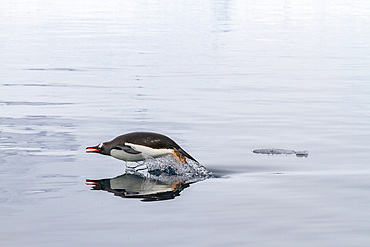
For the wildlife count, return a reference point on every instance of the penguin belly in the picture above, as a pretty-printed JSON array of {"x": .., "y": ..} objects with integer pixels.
[{"x": 122, "y": 155}]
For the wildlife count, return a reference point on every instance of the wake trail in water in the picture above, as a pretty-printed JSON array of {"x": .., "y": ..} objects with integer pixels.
[{"x": 280, "y": 151}]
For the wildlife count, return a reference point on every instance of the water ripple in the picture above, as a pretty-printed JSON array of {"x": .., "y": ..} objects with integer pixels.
[{"x": 28, "y": 103}]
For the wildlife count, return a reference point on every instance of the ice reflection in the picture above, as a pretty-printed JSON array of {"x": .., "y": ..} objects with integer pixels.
[{"x": 137, "y": 185}]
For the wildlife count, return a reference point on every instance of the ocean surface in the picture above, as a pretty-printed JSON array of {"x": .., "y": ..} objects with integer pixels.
[{"x": 221, "y": 78}]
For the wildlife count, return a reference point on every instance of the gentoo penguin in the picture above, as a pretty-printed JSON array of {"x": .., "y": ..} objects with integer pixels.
[{"x": 137, "y": 146}]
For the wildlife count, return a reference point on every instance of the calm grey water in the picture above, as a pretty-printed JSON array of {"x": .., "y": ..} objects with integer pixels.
[{"x": 221, "y": 78}]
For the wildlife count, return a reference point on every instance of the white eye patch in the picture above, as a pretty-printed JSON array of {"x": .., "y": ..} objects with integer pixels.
[{"x": 100, "y": 145}]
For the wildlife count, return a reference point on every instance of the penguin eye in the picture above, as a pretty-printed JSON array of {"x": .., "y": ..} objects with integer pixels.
[{"x": 100, "y": 145}]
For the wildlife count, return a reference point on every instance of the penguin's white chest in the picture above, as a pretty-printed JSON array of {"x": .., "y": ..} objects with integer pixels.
[{"x": 144, "y": 151}]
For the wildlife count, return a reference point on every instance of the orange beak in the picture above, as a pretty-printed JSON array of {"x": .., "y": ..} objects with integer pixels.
[{"x": 92, "y": 150}]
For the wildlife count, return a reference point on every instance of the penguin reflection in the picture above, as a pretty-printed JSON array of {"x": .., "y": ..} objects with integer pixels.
[{"x": 135, "y": 185}]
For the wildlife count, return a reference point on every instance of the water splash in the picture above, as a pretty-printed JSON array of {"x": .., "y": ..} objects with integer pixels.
[{"x": 169, "y": 169}]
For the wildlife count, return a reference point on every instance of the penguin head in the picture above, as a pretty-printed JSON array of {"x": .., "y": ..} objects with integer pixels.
[{"x": 101, "y": 149}]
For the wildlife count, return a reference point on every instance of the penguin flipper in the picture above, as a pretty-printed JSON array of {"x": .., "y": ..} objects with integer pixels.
[{"x": 127, "y": 149}]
